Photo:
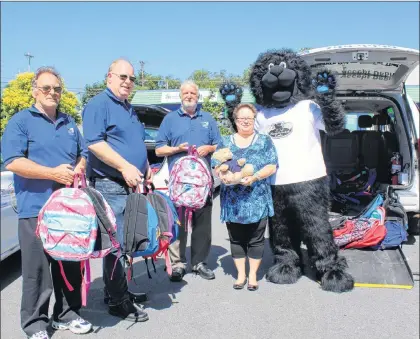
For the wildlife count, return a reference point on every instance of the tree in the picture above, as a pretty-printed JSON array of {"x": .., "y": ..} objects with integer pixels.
[
  {"x": 204, "y": 79},
  {"x": 216, "y": 109},
  {"x": 246, "y": 75},
  {"x": 17, "y": 95},
  {"x": 91, "y": 90},
  {"x": 172, "y": 83},
  {"x": 303, "y": 49},
  {"x": 153, "y": 82}
]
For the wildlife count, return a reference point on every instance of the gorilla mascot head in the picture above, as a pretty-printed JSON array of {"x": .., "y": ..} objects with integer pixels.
[{"x": 279, "y": 78}]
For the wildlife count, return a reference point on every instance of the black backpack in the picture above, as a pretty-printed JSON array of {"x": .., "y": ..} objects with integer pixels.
[
  {"x": 148, "y": 223},
  {"x": 140, "y": 219},
  {"x": 395, "y": 210}
]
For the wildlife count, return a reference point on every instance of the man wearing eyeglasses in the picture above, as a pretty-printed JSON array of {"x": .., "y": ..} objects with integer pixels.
[
  {"x": 117, "y": 161},
  {"x": 44, "y": 149},
  {"x": 189, "y": 125}
]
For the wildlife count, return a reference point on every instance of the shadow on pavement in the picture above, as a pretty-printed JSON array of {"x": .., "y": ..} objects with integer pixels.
[
  {"x": 11, "y": 269},
  {"x": 229, "y": 266},
  {"x": 215, "y": 253},
  {"x": 161, "y": 293}
]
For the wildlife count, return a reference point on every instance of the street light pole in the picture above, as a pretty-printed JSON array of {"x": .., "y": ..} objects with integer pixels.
[{"x": 29, "y": 56}]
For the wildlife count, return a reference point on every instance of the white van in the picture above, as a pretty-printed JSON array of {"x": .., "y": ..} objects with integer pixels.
[
  {"x": 9, "y": 218},
  {"x": 381, "y": 117}
]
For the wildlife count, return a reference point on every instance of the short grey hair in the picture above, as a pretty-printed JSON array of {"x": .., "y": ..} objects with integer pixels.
[
  {"x": 189, "y": 83},
  {"x": 46, "y": 69},
  {"x": 116, "y": 61}
]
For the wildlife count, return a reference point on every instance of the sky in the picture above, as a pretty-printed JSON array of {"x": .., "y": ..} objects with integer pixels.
[{"x": 176, "y": 38}]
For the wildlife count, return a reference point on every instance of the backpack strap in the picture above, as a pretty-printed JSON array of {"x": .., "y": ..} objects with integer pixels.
[
  {"x": 130, "y": 272},
  {"x": 192, "y": 150},
  {"x": 76, "y": 178},
  {"x": 168, "y": 264},
  {"x": 85, "y": 271},
  {"x": 370, "y": 181},
  {"x": 163, "y": 250},
  {"x": 146, "y": 261},
  {"x": 101, "y": 213},
  {"x": 116, "y": 260},
  {"x": 188, "y": 219},
  {"x": 63, "y": 274},
  {"x": 347, "y": 197}
]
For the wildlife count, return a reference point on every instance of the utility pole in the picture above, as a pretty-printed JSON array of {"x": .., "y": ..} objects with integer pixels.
[
  {"x": 142, "y": 72},
  {"x": 29, "y": 56}
]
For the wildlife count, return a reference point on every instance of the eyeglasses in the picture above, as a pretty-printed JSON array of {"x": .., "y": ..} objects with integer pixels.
[
  {"x": 245, "y": 119},
  {"x": 47, "y": 89},
  {"x": 124, "y": 77}
]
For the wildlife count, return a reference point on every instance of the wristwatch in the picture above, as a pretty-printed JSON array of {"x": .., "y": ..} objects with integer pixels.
[{"x": 257, "y": 175}]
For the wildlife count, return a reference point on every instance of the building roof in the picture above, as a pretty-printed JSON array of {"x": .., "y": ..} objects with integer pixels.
[
  {"x": 168, "y": 96},
  {"x": 171, "y": 96}
]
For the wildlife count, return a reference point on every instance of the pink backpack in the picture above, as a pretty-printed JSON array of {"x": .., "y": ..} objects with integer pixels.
[
  {"x": 68, "y": 228},
  {"x": 190, "y": 183}
]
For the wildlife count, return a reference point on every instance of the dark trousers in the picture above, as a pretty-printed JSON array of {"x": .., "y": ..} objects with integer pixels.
[
  {"x": 114, "y": 279},
  {"x": 38, "y": 282},
  {"x": 247, "y": 240},
  {"x": 200, "y": 238}
]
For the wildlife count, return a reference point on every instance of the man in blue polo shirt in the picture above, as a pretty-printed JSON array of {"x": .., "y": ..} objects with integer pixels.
[
  {"x": 44, "y": 149},
  {"x": 117, "y": 161},
  {"x": 179, "y": 129}
]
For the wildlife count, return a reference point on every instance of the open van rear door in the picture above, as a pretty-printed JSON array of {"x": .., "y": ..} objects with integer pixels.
[{"x": 365, "y": 67}]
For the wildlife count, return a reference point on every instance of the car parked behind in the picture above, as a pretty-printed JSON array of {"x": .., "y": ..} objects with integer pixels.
[
  {"x": 152, "y": 116},
  {"x": 9, "y": 219},
  {"x": 371, "y": 87}
]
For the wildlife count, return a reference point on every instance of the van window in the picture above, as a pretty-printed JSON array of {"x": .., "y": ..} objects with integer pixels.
[{"x": 352, "y": 121}]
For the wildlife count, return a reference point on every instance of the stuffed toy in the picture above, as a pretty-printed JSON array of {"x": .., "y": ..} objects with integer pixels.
[
  {"x": 238, "y": 168},
  {"x": 293, "y": 107}
]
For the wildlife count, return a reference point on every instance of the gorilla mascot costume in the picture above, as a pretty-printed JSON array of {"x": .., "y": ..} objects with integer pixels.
[{"x": 295, "y": 108}]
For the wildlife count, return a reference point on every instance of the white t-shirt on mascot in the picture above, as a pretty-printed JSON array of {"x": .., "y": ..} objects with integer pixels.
[{"x": 295, "y": 134}]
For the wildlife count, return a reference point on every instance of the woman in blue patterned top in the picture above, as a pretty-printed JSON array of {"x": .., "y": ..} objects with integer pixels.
[{"x": 245, "y": 207}]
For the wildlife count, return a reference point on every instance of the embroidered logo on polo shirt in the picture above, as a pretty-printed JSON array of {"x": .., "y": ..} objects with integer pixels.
[
  {"x": 71, "y": 131},
  {"x": 205, "y": 124}
]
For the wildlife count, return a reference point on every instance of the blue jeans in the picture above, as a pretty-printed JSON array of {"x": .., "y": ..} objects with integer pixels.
[{"x": 116, "y": 196}]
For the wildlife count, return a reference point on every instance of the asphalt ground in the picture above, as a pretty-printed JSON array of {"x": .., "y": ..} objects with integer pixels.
[{"x": 196, "y": 308}]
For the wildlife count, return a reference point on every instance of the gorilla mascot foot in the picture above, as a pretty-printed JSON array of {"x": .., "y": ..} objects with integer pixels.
[
  {"x": 284, "y": 272},
  {"x": 336, "y": 279}
]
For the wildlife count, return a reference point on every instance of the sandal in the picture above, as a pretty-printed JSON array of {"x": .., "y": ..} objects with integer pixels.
[
  {"x": 240, "y": 286},
  {"x": 252, "y": 287}
]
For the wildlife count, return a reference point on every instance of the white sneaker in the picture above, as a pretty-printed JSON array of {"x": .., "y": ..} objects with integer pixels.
[
  {"x": 40, "y": 335},
  {"x": 77, "y": 326}
]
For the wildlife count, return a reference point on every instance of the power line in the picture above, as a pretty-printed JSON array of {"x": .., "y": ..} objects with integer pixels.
[
  {"x": 29, "y": 56},
  {"x": 142, "y": 71}
]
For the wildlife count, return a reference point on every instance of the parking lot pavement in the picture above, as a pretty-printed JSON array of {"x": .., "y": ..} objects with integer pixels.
[{"x": 196, "y": 308}]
